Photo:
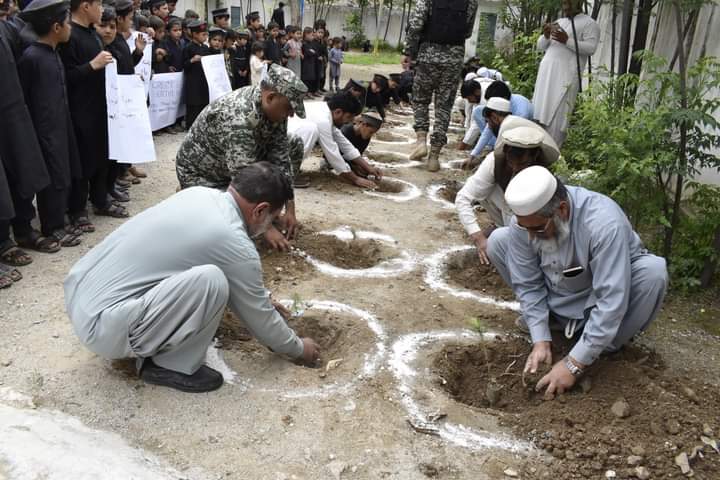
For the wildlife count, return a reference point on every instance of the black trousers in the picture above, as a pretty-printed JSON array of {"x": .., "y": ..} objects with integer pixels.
[
  {"x": 52, "y": 204},
  {"x": 94, "y": 188},
  {"x": 21, "y": 224},
  {"x": 191, "y": 113},
  {"x": 115, "y": 171}
]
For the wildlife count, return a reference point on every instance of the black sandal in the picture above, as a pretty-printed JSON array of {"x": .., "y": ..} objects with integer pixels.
[
  {"x": 66, "y": 239},
  {"x": 6, "y": 280},
  {"x": 83, "y": 223},
  {"x": 38, "y": 242},
  {"x": 112, "y": 210},
  {"x": 15, "y": 257}
]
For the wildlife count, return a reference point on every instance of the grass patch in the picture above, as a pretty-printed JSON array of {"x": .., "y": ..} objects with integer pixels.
[{"x": 384, "y": 58}]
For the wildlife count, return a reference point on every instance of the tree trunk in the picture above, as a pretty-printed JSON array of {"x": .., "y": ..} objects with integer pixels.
[
  {"x": 402, "y": 22},
  {"x": 613, "y": 32},
  {"x": 708, "y": 272},
  {"x": 641, "y": 31},
  {"x": 682, "y": 147},
  {"x": 295, "y": 12},
  {"x": 625, "y": 36},
  {"x": 389, "y": 17}
]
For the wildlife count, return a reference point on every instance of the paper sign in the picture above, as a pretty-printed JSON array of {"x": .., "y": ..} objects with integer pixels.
[
  {"x": 216, "y": 75},
  {"x": 129, "y": 135},
  {"x": 144, "y": 67},
  {"x": 166, "y": 99}
]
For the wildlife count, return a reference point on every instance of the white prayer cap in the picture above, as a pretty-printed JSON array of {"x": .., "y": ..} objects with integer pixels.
[
  {"x": 498, "y": 104},
  {"x": 470, "y": 76},
  {"x": 521, "y": 132},
  {"x": 498, "y": 76},
  {"x": 530, "y": 190},
  {"x": 483, "y": 72}
]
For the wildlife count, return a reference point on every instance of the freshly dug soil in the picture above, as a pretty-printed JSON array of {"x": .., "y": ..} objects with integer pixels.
[
  {"x": 386, "y": 186},
  {"x": 281, "y": 267},
  {"x": 232, "y": 332},
  {"x": 464, "y": 269},
  {"x": 450, "y": 190},
  {"x": 387, "y": 136},
  {"x": 667, "y": 415},
  {"x": 386, "y": 157},
  {"x": 353, "y": 254}
]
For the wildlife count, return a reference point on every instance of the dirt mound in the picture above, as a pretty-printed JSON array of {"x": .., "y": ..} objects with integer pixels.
[
  {"x": 450, "y": 189},
  {"x": 387, "y": 186},
  {"x": 323, "y": 327},
  {"x": 281, "y": 266},
  {"x": 584, "y": 428},
  {"x": 386, "y": 157},
  {"x": 386, "y": 136},
  {"x": 352, "y": 254},
  {"x": 464, "y": 269}
]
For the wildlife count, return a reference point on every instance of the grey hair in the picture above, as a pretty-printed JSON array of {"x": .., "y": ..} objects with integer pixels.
[
  {"x": 263, "y": 182},
  {"x": 551, "y": 207}
]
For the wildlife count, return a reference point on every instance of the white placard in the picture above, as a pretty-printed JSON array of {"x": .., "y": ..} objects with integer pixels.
[
  {"x": 166, "y": 99},
  {"x": 129, "y": 135},
  {"x": 144, "y": 67},
  {"x": 216, "y": 75}
]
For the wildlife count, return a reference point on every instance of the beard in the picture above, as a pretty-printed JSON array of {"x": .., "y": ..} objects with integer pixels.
[
  {"x": 552, "y": 245},
  {"x": 259, "y": 230},
  {"x": 495, "y": 129}
]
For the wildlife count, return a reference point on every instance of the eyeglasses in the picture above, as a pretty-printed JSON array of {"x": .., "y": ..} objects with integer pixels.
[{"x": 535, "y": 230}]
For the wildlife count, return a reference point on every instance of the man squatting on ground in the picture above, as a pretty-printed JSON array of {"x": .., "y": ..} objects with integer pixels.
[
  {"x": 575, "y": 264},
  {"x": 435, "y": 41},
  {"x": 242, "y": 127},
  {"x": 156, "y": 290}
]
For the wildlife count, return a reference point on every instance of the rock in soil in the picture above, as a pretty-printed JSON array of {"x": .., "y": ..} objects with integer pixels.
[
  {"x": 388, "y": 186},
  {"x": 642, "y": 473},
  {"x": 464, "y": 269},
  {"x": 621, "y": 409}
]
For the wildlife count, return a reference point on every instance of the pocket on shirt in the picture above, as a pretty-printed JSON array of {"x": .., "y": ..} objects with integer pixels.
[{"x": 578, "y": 283}]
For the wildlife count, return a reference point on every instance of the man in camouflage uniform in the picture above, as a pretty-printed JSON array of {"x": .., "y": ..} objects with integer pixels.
[
  {"x": 435, "y": 41},
  {"x": 245, "y": 126}
]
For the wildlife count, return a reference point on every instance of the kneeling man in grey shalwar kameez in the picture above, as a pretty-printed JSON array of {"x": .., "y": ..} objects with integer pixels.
[
  {"x": 156, "y": 288},
  {"x": 572, "y": 256}
]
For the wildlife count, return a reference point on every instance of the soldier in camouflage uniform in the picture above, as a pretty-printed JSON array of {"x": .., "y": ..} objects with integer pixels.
[
  {"x": 435, "y": 41},
  {"x": 245, "y": 126}
]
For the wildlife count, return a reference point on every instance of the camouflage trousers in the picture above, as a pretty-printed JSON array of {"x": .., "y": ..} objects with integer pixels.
[
  {"x": 442, "y": 80},
  {"x": 296, "y": 153}
]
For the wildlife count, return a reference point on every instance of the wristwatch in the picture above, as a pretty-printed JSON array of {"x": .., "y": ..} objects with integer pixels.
[{"x": 574, "y": 369}]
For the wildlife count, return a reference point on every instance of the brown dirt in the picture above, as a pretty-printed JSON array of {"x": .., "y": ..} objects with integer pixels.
[
  {"x": 579, "y": 428},
  {"x": 387, "y": 136},
  {"x": 386, "y": 157},
  {"x": 282, "y": 266},
  {"x": 450, "y": 190},
  {"x": 386, "y": 186},
  {"x": 353, "y": 254},
  {"x": 464, "y": 269}
]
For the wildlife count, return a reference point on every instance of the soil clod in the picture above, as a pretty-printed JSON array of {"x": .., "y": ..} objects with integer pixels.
[
  {"x": 464, "y": 269},
  {"x": 388, "y": 186}
]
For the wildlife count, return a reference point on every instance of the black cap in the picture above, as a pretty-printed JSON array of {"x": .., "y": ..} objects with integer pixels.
[
  {"x": 220, "y": 12},
  {"x": 45, "y": 10},
  {"x": 108, "y": 15},
  {"x": 355, "y": 84},
  {"x": 156, "y": 3},
  {"x": 122, "y": 6},
  {"x": 213, "y": 31},
  {"x": 252, "y": 16},
  {"x": 197, "y": 26},
  {"x": 395, "y": 77}
]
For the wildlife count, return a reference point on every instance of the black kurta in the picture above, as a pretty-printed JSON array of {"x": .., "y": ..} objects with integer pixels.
[
  {"x": 43, "y": 81},
  {"x": 374, "y": 100},
  {"x": 309, "y": 64},
  {"x": 126, "y": 60},
  {"x": 348, "y": 130},
  {"x": 175, "y": 53},
  {"x": 86, "y": 97},
  {"x": 19, "y": 150},
  {"x": 6, "y": 206},
  {"x": 241, "y": 61},
  {"x": 196, "y": 86}
]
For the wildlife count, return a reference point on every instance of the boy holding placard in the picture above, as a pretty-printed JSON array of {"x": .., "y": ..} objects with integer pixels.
[{"x": 196, "y": 87}]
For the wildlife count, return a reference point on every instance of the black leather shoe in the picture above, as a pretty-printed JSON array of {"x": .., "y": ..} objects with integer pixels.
[{"x": 204, "y": 380}]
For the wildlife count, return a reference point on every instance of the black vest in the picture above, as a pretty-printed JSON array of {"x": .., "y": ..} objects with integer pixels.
[{"x": 447, "y": 21}]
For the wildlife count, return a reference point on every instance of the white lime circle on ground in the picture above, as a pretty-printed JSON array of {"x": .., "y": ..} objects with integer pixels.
[{"x": 410, "y": 192}]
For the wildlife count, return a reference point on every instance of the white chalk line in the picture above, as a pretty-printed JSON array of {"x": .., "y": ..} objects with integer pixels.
[
  {"x": 410, "y": 192},
  {"x": 52, "y": 445},
  {"x": 433, "y": 193},
  {"x": 405, "y": 262},
  {"x": 371, "y": 361},
  {"x": 214, "y": 359},
  {"x": 434, "y": 277},
  {"x": 403, "y": 353}
]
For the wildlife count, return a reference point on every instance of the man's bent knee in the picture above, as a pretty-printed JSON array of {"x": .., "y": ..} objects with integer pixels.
[
  {"x": 650, "y": 273},
  {"x": 214, "y": 280},
  {"x": 497, "y": 244}
]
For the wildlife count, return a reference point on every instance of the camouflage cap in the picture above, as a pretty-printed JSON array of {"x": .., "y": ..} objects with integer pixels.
[{"x": 286, "y": 83}]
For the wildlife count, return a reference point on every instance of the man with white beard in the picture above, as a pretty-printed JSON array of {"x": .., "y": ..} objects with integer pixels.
[
  {"x": 574, "y": 263},
  {"x": 192, "y": 255}
]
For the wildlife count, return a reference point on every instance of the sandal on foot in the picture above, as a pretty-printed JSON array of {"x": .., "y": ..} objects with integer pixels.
[
  {"x": 38, "y": 242},
  {"x": 123, "y": 183},
  {"x": 15, "y": 257},
  {"x": 6, "y": 280},
  {"x": 112, "y": 210},
  {"x": 73, "y": 230},
  {"x": 66, "y": 239},
  {"x": 83, "y": 223},
  {"x": 137, "y": 172},
  {"x": 120, "y": 196}
]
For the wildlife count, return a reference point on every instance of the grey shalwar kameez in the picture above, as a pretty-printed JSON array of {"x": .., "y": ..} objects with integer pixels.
[
  {"x": 157, "y": 286},
  {"x": 618, "y": 293}
]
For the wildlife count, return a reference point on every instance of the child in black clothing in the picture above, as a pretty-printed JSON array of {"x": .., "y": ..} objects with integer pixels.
[
  {"x": 160, "y": 56},
  {"x": 310, "y": 60},
  {"x": 229, "y": 52},
  {"x": 272, "y": 47},
  {"x": 241, "y": 61},
  {"x": 196, "y": 87},
  {"x": 217, "y": 40},
  {"x": 172, "y": 44}
]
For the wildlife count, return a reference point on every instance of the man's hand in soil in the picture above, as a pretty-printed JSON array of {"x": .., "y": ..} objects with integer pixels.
[
  {"x": 289, "y": 221},
  {"x": 558, "y": 381},
  {"x": 277, "y": 240},
  {"x": 541, "y": 353},
  {"x": 481, "y": 244},
  {"x": 469, "y": 164},
  {"x": 357, "y": 180},
  {"x": 311, "y": 351}
]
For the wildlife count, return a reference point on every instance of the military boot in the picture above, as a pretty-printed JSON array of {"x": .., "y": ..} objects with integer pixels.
[
  {"x": 433, "y": 163},
  {"x": 420, "y": 150}
]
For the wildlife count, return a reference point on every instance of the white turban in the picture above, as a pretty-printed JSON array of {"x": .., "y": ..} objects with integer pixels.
[{"x": 530, "y": 190}]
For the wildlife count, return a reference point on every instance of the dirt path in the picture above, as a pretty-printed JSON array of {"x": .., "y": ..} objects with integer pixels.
[{"x": 282, "y": 421}]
